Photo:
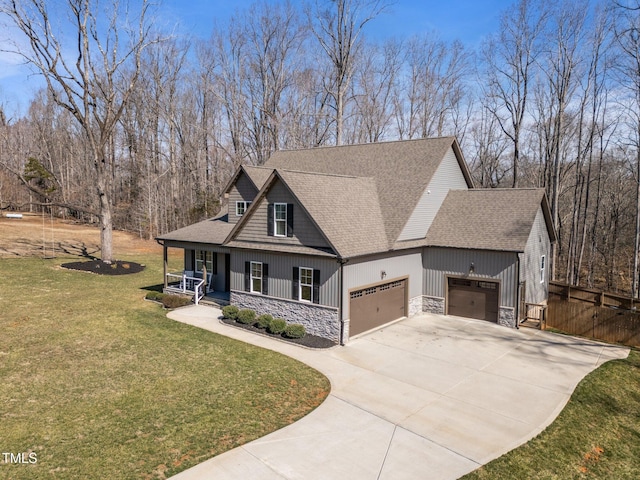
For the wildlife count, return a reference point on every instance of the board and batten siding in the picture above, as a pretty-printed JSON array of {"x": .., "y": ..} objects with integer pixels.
[
  {"x": 439, "y": 262},
  {"x": 367, "y": 270},
  {"x": 538, "y": 244},
  {"x": 281, "y": 273},
  {"x": 448, "y": 176},
  {"x": 304, "y": 231},
  {"x": 218, "y": 278},
  {"x": 242, "y": 190}
]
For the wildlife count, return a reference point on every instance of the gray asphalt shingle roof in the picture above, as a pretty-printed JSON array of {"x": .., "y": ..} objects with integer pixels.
[
  {"x": 346, "y": 209},
  {"x": 491, "y": 219},
  {"x": 258, "y": 175},
  {"x": 401, "y": 171},
  {"x": 213, "y": 230}
]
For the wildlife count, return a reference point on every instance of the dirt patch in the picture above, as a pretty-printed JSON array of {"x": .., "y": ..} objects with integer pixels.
[
  {"x": 117, "y": 267},
  {"x": 311, "y": 341},
  {"x": 35, "y": 236}
]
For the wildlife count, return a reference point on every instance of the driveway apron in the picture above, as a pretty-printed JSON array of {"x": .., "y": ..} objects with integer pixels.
[{"x": 429, "y": 397}]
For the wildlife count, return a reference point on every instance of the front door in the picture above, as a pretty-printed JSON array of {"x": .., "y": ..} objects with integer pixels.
[{"x": 227, "y": 272}]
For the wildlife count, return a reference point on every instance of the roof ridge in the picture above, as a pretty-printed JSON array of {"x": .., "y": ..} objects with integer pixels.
[
  {"x": 327, "y": 147},
  {"x": 500, "y": 189},
  {"x": 318, "y": 173}
]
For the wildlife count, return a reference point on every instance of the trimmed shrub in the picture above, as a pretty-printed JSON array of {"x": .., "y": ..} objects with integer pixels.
[
  {"x": 175, "y": 301},
  {"x": 264, "y": 321},
  {"x": 153, "y": 295},
  {"x": 295, "y": 330},
  {"x": 246, "y": 316},
  {"x": 230, "y": 311},
  {"x": 277, "y": 326}
]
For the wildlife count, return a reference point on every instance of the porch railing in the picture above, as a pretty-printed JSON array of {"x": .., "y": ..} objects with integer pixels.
[{"x": 186, "y": 285}]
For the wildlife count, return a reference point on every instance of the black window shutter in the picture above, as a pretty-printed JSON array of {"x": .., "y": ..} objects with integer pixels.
[
  {"x": 295, "y": 286},
  {"x": 214, "y": 260},
  {"x": 270, "y": 209},
  {"x": 289, "y": 219},
  {"x": 316, "y": 286},
  {"x": 265, "y": 279},
  {"x": 247, "y": 276}
]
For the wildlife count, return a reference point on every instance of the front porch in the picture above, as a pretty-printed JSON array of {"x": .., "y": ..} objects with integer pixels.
[{"x": 205, "y": 274}]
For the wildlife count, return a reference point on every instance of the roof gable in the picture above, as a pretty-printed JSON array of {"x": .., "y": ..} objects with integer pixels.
[
  {"x": 255, "y": 228},
  {"x": 347, "y": 233},
  {"x": 400, "y": 171},
  {"x": 257, "y": 176}
]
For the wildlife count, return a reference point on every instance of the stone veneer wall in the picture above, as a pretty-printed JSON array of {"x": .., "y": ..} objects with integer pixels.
[
  {"x": 507, "y": 317},
  {"x": 433, "y": 305},
  {"x": 416, "y": 305},
  {"x": 317, "y": 320}
]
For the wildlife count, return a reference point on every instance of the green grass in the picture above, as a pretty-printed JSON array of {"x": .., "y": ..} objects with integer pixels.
[
  {"x": 100, "y": 384},
  {"x": 596, "y": 436}
]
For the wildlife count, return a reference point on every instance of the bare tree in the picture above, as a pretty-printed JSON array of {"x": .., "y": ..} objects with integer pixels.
[
  {"x": 338, "y": 25},
  {"x": 375, "y": 81},
  {"x": 274, "y": 38},
  {"x": 94, "y": 83},
  {"x": 509, "y": 60},
  {"x": 627, "y": 34}
]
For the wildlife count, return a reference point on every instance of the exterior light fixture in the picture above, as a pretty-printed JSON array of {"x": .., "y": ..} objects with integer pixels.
[
  {"x": 472, "y": 268},
  {"x": 382, "y": 274}
]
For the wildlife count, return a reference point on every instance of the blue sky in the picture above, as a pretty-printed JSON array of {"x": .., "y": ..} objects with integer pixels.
[{"x": 467, "y": 20}]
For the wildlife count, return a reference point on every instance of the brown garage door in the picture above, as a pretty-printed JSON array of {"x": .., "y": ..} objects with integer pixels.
[
  {"x": 473, "y": 299},
  {"x": 374, "y": 306}
]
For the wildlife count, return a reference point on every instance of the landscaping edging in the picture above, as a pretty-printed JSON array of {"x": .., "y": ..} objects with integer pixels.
[{"x": 308, "y": 341}]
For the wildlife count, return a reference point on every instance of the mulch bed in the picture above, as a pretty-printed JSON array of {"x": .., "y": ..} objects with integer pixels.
[
  {"x": 311, "y": 341},
  {"x": 117, "y": 267}
]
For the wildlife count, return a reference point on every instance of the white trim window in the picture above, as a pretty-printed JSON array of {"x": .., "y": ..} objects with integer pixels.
[
  {"x": 241, "y": 207},
  {"x": 305, "y": 289},
  {"x": 543, "y": 266},
  {"x": 280, "y": 219},
  {"x": 204, "y": 259},
  {"x": 256, "y": 277}
]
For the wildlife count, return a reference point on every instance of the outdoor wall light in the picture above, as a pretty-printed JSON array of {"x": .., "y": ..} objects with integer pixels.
[
  {"x": 472, "y": 268},
  {"x": 382, "y": 274}
]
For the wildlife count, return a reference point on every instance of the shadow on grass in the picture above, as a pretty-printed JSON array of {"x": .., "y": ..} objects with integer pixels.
[{"x": 153, "y": 288}]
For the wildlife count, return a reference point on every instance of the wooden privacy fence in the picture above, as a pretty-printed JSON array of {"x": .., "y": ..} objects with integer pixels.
[{"x": 593, "y": 314}]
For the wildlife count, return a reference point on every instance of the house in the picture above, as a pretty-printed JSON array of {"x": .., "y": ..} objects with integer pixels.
[{"x": 346, "y": 239}]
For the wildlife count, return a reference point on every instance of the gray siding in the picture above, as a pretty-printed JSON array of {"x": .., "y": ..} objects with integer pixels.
[
  {"x": 538, "y": 244},
  {"x": 304, "y": 231},
  {"x": 448, "y": 176},
  {"x": 367, "y": 270},
  {"x": 502, "y": 266},
  {"x": 242, "y": 190},
  {"x": 281, "y": 273}
]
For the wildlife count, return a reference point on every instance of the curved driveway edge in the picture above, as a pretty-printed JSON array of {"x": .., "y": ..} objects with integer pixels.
[{"x": 429, "y": 397}]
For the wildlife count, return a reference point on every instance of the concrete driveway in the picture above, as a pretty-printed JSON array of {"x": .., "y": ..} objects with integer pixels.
[{"x": 430, "y": 397}]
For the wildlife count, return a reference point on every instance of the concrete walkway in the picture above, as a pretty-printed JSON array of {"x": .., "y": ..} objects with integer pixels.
[{"x": 430, "y": 397}]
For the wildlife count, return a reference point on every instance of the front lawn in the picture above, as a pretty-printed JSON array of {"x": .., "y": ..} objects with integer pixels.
[
  {"x": 98, "y": 383},
  {"x": 596, "y": 436}
]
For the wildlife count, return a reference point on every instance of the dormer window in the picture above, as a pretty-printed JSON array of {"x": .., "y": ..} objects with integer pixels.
[
  {"x": 280, "y": 219},
  {"x": 241, "y": 207}
]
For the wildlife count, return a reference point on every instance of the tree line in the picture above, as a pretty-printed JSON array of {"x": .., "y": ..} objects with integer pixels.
[{"x": 156, "y": 126}]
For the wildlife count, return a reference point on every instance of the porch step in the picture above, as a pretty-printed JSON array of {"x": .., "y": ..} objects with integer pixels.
[
  {"x": 214, "y": 302},
  {"x": 530, "y": 323}
]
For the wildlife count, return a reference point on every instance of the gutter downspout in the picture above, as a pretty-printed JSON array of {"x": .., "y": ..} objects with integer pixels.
[
  {"x": 341, "y": 261},
  {"x": 518, "y": 293}
]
